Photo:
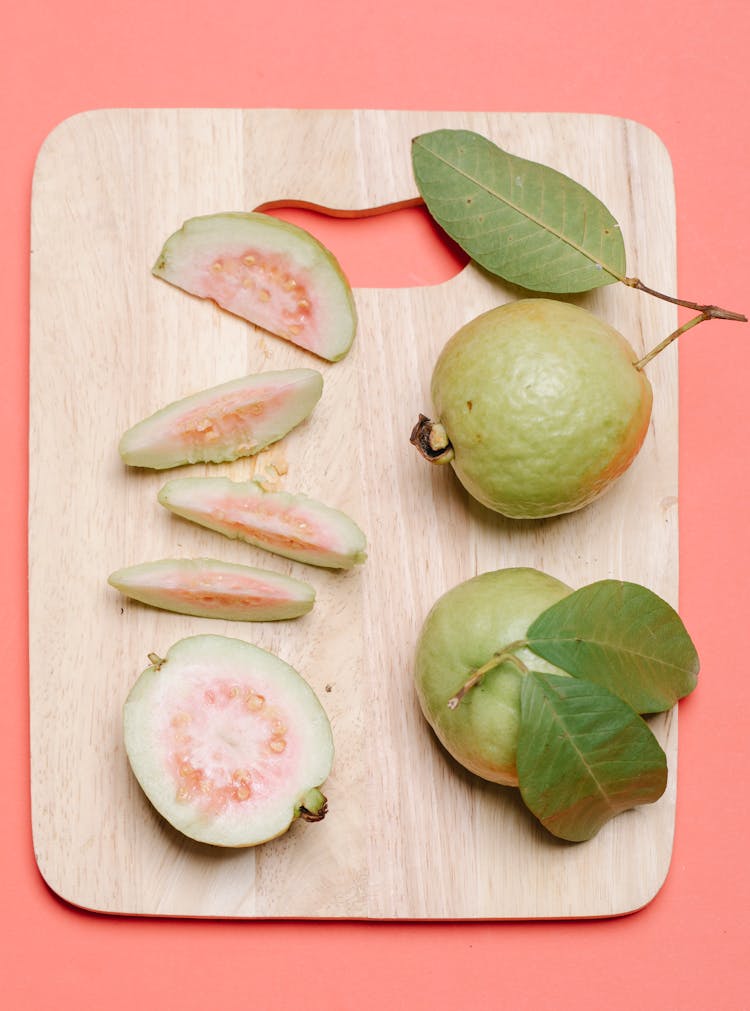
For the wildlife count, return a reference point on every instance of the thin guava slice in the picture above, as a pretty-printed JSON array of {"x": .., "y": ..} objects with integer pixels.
[
  {"x": 271, "y": 273},
  {"x": 229, "y": 743},
  {"x": 225, "y": 422},
  {"x": 209, "y": 588},
  {"x": 294, "y": 526}
]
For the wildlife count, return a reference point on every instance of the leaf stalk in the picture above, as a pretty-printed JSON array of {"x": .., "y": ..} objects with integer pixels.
[
  {"x": 706, "y": 311},
  {"x": 668, "y": 340},
  {"x": 507, "y": 653}
]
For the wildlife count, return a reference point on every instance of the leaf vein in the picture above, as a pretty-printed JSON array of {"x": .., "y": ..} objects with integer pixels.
[
  {"x": 606, "y": 644},
  {"x": 519, "y": 209}
]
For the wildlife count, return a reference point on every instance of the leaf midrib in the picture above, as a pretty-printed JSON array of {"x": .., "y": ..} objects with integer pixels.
[
  {"x": 607, "y": 645},
  {"x": 561, "y": 723}
]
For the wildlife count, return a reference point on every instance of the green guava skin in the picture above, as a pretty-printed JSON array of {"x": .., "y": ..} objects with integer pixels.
[
  {"x": 543, "y": 406},
  {"x": 464, "y": 629}
]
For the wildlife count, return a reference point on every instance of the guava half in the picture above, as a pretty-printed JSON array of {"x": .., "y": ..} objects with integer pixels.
[
  {"x": 294, "y": 526},
  {"x": 267, "y": 271},
  {"x": 465, "y": 628},
  {"x": 228, "y": 742},
  {"x": 225, "y": 422},
  {"x": 539, "y": 408},
  {"x": 209, "y": 588}
]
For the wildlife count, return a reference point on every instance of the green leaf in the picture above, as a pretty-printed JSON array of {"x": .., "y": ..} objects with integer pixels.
[
  {"x": 518, "y": 219},
  {"x": 623, "y": 637},
  {"x": 583, "y": 756}
]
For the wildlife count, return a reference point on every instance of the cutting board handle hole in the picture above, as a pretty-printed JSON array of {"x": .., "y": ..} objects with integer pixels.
[{"x": 401, "y": 249}]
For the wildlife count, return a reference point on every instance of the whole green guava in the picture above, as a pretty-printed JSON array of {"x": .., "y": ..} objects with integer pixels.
[
  {"x": 539, "y": 408},
  {"x": 464, "y": 630}
]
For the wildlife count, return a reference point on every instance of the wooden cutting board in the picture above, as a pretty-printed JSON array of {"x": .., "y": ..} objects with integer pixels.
[{"x": 409, "y": 834}]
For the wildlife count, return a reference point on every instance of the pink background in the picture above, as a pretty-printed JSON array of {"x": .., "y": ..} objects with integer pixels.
[{"x": 680, "y": 68}]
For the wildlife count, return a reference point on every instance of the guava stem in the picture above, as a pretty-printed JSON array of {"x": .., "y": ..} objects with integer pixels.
[
  {"x": 339, "y": 212},
  {"x": 494, "y": 661},
  {"x": 314, "y": 806},
  {"x": 156, "y": 660},
  {"x": 431, "y": 440},
  {"x": 668, "y": 340},
  {"x": 706, "y": 311}
]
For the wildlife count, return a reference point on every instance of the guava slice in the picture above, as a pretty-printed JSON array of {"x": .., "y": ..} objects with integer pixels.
[
  {"x": 294, "y": 526},
  {"x": 271, "y": 273},
  {"x": 228, "y": 742},
  {"x": 208, "y": 588},
  {"x": 225, "y": 422}
]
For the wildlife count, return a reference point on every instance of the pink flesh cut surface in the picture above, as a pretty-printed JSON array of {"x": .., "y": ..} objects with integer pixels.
[
  {"x": 228, "y": 748},
  {"x": 262, "y": 287},
  {"x": 235, "y": 590},
  {"x": 221, "y": 419},
  {"x": 257, "y": 519}
]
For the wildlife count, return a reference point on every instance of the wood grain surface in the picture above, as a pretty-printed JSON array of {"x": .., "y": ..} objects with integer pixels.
[{"x": 409, "y": 834}]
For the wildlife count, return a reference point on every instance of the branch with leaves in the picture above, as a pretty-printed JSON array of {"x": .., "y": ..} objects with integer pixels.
[
  {"x": 528, "y": 223},
  {"x": 521, "y": 221},
  {"x": 585, "y": 753}
]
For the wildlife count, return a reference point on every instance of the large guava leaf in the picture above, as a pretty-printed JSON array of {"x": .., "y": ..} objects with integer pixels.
[
  {"x": 622, "y": 636},
  {"x": 583, "y": 755},
  {"x": 518, "y": 219}
]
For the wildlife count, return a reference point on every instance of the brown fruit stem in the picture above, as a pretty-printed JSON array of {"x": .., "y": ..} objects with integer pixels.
[
  {"x": 318, "y": 808},
  {"x": 156, "y": 660},
  {"x": 432, "y": 441},
  {"x": 494, "y": 661}
]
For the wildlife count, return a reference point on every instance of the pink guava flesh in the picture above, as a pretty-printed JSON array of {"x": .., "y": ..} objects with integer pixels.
[
  {"x": 264, "y": 287},
  {"x": 225, "y": 422},
  {"x": 269, "y": 272},
  {"x": 209, "y": 588},
  {"x": 294, "y": 526},
  {"x": 228, "y": 742},
  {"x": 215, "y": 770}
]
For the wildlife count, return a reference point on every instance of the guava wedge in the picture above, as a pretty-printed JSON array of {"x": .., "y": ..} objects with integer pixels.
[
  {"x": 225, "y": 422},
  {"x": 294, "y": 526},
  {"x": 271, "y": 273},
  {"x": 208, "y": 588},
  {"x": 228, "y": 742}
]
